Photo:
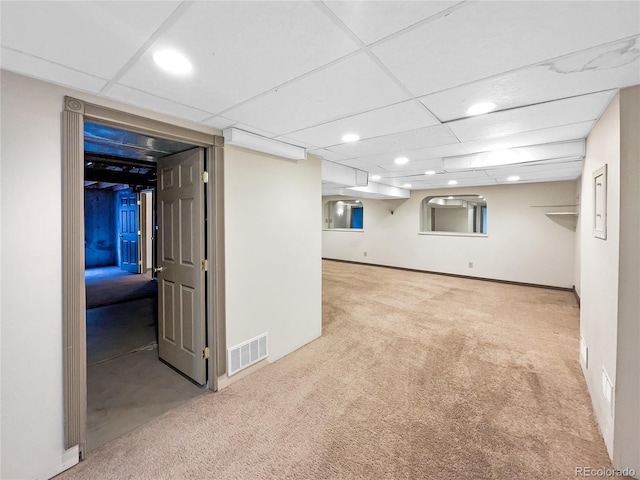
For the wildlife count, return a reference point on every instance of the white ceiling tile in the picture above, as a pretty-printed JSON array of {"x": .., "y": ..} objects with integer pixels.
[
  {"x": 487, "y": 38},
  {"x": 535, "y": 117},
  {"x": 403, "y": 116},
  {"x": 219, "y": 122},
  {"x": 514, "y": 156},
  {"x": 156, "y": 104},
  {"x": 351, "y": 86},
  {"x": 371, "y": 21},
  {"x": 93, "y": 37},
  {"x": 442, "y": 183},
  {"x": 531, "y": 168},
  {"x": 545, "y": 176},
  {"x": 257, "y": 131},
  {"x": 416, "y": 180},
  {"x": 52, "y": 72},
  {"x": 406, "y": 141},
  {"x": 560, "y": 133},
  {"x": 240, "y": 50},
  {"x": 415, "y": 156},
  {"x": 413, "y": 168},
  {"x": 327, "y": 154},
  {"x": 418, "y": 172},
  {"x": 293, "y": 141},
  {"x": 602, "y": 68},
  {"x": 417, "y": 168}
]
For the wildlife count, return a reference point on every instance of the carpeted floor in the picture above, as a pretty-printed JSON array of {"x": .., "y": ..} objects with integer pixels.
[{"x": 416, "y": 376}]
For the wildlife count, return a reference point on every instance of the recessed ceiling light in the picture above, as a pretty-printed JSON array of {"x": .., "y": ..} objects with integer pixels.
[
  {"x": 407, "y": 185},
  {"x": 453, "y": 182},
  {"x": 513, "y": 178},
  {"x": 375, "y": 177},
  {"x": 480, "y": 108},
  {"x": 351, "y": 137},
  {"x": 172, "y": 62},
  {"x": 430, "y": 172},
  {"x": 449, "y": 197},
  {"x": 401, "y": 160}
]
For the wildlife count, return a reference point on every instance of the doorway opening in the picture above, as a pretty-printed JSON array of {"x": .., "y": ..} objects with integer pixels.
[
  {"x": 127, "y": 382},
  {"x": 208, "y": 295}
]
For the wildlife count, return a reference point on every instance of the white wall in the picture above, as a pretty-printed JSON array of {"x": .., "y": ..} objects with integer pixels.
[
  {"x": 576, "y": 274},
  {"x": 32, "y": 433},
  {"x": 599, "y": 265},
  {"x": 610, "y": 277},
  {"x": 273, "y": 268},
  {"x": 523, "y": 244},
  {"x": 626, "y": 443},
  {"x": 273, "y": 249}
]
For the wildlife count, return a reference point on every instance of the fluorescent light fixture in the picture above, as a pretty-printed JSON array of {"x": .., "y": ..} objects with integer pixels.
[
  {"x": 430, "y": 172},
  {"x": 480, "y": 108},
  {"x": 407, "y": 185},
  {"x": 351, "y": 137},
  {"x": 401, "y": 161},
  {"x": 234, "y": 136},
  {"x": 375, "y": 177},
  {"x": 513, "y": 178},
  {"x": 172, "y": 62},
  {"x": 453, "y": 182}
]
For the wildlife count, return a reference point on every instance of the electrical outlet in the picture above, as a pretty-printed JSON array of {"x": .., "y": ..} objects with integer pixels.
[{"x": 470, "y": 264}]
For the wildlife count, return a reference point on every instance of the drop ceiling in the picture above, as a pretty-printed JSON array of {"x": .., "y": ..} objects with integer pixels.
[{"x": 399, "y": 74}]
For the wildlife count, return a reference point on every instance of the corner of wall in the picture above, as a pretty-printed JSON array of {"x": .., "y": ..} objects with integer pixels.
[{"x": 599, "y": 259}]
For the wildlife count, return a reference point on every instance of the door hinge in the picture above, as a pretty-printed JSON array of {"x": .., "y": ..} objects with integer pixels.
[
  {"x": 138, "y": 202},
  {"x": 205, "y": 177},
  {"x": 205, "y": 353},
  {"x": 205, "y": 265}
]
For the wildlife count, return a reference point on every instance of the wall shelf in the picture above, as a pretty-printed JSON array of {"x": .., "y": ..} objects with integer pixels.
[{"x": 574, "y": 214}]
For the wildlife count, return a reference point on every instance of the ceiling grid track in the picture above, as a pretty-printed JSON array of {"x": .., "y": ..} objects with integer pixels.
[{"x": 172, "y": 19}]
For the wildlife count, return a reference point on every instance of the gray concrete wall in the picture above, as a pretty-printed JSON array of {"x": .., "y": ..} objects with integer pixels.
[{"x": 100, "y": 228}]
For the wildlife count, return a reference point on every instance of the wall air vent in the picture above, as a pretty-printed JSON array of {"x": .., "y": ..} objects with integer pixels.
[{"x": 247, "y": 353}]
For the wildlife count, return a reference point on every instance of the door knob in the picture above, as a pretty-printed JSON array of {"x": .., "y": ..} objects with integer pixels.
[{"x": 158, "y": 269}]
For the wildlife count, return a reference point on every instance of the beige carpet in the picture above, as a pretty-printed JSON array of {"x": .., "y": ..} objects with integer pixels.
[{"x": 416, "y": 376}]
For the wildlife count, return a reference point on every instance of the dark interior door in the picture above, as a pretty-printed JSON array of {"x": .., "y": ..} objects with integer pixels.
[{"x": 128, "y": 232}]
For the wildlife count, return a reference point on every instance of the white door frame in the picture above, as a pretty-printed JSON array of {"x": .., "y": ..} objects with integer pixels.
[{"x": 73, "y": 287}]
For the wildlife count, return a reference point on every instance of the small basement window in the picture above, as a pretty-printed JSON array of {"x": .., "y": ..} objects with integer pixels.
[{"x": 344, "y": 215}]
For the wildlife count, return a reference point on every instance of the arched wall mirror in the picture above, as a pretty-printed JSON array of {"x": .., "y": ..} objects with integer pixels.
[
  {"x": 344, "y": 214},
  {"x": 466, "y": 214}
]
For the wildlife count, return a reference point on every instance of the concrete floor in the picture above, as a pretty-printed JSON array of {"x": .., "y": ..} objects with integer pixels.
[
  {"x": 109, "y": 285},
  {"x": 127, "y": 385}
]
